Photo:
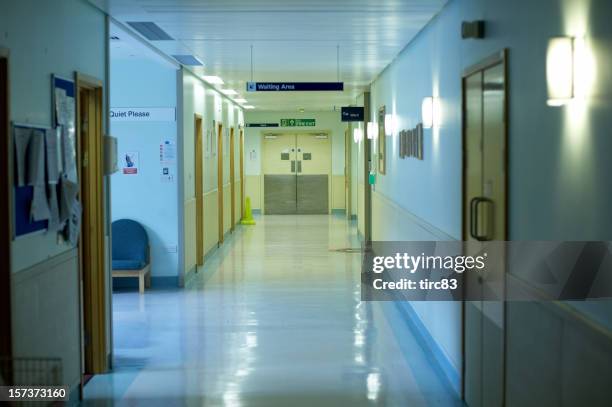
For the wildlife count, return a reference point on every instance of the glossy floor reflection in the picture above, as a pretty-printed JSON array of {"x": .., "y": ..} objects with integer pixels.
[{"x": 274, "y": 318}]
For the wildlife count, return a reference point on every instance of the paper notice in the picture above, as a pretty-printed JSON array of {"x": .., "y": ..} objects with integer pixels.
[
  {"x": 22, "y": 139},
  {"x": 36, "y": 159},
  {"x": 64, "y": 108},
  {"x": 54, "y": 219},
  {"x": 69, "y": 154},
  {"x": 74, "y": 223},
  {"x": 68, "y": 195},
  {"x": 53, "y": 138},
  {"x": 167, "y": 152},
  {"x": 40, "y": 208}
]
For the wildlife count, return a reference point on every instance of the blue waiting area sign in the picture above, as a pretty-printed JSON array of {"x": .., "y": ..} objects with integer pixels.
[{"x": 294, "y": 86}]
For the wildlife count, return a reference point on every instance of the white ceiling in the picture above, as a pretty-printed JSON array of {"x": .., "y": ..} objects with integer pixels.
[{"x": 293, "y": 40}]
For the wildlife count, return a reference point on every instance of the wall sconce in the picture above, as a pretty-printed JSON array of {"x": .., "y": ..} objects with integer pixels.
[
  {"x": 357, "y": 135},
  {"x": 372, "y": 131},
  {"x": 431, "y": 112},
  {"x": 390, "y": 124},
  {"x": 560, "y": 70}
]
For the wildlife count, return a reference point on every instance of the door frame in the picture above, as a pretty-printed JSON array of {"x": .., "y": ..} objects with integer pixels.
[
  {"x": 232, "y": 180},
  {"x": 220, "y": 180},
  {"x": 500, "y": 57},
  {"x": 198, "y": 124},
  {"x": 94, "y": 290},
  {"x": 347, "y": 172},
  {"x": 242, "y": 181},
  {"x": 6, "y": 203},
  {"x": 367, "y": 165}
]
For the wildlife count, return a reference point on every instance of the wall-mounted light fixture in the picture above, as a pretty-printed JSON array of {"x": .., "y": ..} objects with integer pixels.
[
  {"x": 390, "y": 124},
  {"x": 431, "y": 112},
  {"x": 357, "y": 135},
  {"x": 372, "y": 131},
  {"x": 560, "y": 70}
]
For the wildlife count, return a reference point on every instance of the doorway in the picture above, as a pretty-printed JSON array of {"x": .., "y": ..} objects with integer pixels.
[
  {"x": 199, "y": 190},
  {"x": 484, "y": 219},
  {"x": 91, "y": 245},
  {"x": 242, "y": 180},
  {"x": 220, "y": 179},
  {"x": 297, "y": 170},
  {"x": 232, "y": 180},
  {"x": 5, "y": 205}
]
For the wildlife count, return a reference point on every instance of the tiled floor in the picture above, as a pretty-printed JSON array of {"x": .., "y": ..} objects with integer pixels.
[{"x": 274, "y": 318}]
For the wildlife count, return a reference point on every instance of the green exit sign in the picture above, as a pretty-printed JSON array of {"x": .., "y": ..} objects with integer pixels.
[{"x": 297, "y": 123}]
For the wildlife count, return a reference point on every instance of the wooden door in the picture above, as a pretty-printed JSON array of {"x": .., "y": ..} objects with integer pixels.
[
  {"x": 232, "y": 179},
  {"x": 199, "y": 191},
  {"x": 91, "y": 242},
  {"x": 5, "y": 213},
  {"x": 220, "y": 179}
]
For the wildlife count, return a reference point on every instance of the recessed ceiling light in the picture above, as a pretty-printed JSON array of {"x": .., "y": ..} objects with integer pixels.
[
  {"x": 229, "y": 92},
  {"x": 301, "y": 110},
  {"x": 213, "y": 80},
  {"x": 240, "y": 100},
  {"x": 248, "y": 107}
]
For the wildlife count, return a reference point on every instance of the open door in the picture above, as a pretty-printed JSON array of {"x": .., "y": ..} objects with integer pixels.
[
  {"x": 242, "y": 180},
  {"x": 199, "y": 190},
  {"x": 484, "y": 219},
  {"x": 220, "y": 179},
  {"x": 232, "y": 179},
  {"x": 5, "y": 213},
  {"x": 91, "y": 243}
]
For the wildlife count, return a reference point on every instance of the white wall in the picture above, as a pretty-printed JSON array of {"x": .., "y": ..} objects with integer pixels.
[
  {"x": 145, "y": 197},
  {"x": 558, "y": 157},
  {"x": 199, "y": 98},
  {"x": 44, "y": 38}
]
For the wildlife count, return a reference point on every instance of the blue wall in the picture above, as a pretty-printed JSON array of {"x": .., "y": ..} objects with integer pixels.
[
  {"x": 141, "y": 82},
  {"x": 559, "y": 164},
  {"x": 557, "y": 155}
]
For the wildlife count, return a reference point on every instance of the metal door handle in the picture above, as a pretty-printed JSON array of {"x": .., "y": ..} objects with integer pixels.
[
  {"x": 299, "y": 166},
  {"x": 292, "y": 166},
  {"x": 474, "y": 218}
]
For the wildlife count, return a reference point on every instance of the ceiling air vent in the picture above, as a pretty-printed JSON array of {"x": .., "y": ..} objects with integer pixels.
[
  {"x": 150, "y": 31},
  {"x": 188, "y": 60}
]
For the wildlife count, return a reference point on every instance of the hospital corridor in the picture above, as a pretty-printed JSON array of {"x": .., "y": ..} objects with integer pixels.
[{"x": 305, "y": 203}]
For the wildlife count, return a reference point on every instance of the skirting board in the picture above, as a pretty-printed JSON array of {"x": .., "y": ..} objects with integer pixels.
[{"x": 434, "y": 352}]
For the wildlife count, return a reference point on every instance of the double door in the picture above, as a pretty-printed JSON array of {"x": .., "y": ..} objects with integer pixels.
[{"x": 296, "y": 171}]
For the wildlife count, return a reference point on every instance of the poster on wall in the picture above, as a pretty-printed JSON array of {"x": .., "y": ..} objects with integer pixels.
[
  {"x": 130, "y": 162},
  {"x": 167, "y": 152}
]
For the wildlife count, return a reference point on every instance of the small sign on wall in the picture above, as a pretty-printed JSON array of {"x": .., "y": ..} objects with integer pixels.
[
  {"x": 143, "y": 114},
  {"x": 130, "y": 162}
]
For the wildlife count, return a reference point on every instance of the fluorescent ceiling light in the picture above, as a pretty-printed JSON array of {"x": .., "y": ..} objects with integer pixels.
[
  {"x": 240, "y": 100},
  {"x": 248, "y": 107},
  {"x": 213, "y": 80},
  {"x": 229, "y": 92}
]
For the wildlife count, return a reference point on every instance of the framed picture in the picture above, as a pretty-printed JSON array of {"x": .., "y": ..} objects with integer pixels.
[{"x": 381, "y": 142}]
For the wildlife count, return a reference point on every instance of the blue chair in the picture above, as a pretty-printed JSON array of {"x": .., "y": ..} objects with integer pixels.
[{"x": 131, "y": 252}]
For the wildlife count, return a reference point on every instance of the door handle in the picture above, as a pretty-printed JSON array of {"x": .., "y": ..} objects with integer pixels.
[
  {"x": 475, "y": 205},
  {"x": 292, "y": 166},
  {"x": 299, "y": 166}
]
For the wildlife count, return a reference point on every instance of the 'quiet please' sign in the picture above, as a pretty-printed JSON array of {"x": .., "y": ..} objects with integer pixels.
[{"x": 143, "y": 114}]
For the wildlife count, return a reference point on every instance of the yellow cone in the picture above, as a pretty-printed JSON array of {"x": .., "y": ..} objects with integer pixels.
[{"x": 248, "y": 214}]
